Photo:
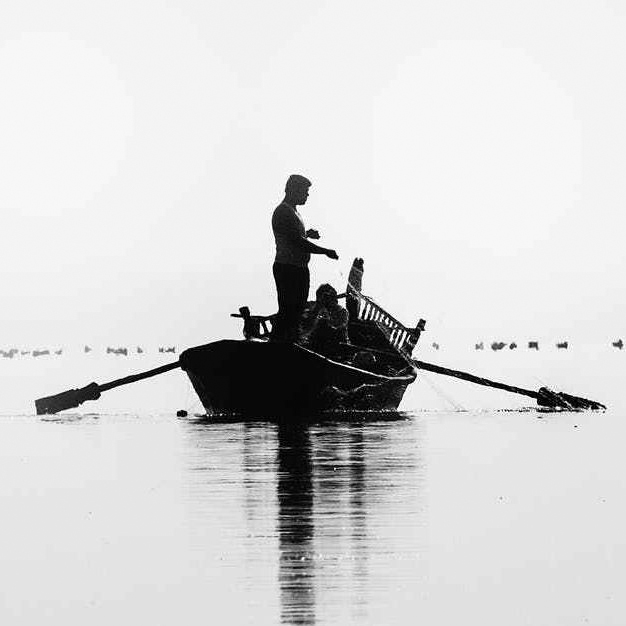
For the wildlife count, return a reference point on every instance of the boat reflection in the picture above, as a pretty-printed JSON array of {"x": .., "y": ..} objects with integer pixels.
[{"x": 331, "y": 513}]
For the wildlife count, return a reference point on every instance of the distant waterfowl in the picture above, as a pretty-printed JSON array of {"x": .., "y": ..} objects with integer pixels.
[
  {"x": 619, "y": 344},
  {"x": 122, "y": 351},
  {"x": 479, "y": 346},
  {"x": 512, "y": 346},
  {"x": 498, "y": 345}
]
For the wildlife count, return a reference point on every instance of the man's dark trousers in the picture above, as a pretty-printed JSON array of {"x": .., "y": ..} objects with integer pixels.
[{"x": 292, "y": 286}]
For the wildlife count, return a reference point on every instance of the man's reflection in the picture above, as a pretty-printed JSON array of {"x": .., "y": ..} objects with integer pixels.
[{"x": 295, "y": 525}]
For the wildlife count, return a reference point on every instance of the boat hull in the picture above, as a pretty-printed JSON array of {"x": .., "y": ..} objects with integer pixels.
[{"x": 258, "y": 378}]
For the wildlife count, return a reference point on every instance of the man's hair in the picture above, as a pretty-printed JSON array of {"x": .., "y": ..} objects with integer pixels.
[
  {"x": 296, "y": 181},
  {"x": 325, "y": 287}
]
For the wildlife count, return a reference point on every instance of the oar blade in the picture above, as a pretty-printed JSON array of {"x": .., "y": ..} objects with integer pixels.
[
  {"x": 559, "y": 400},
  {"x": 67, "y": 399}
]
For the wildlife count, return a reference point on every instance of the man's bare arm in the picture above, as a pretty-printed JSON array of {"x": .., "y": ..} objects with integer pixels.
[
  {"x": 315, "y": 249},
  {"x": 304, "y": 244},
  {"x": 288, "y": 229}
]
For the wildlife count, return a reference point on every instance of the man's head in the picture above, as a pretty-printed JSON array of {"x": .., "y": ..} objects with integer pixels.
[
  {"x": 326, "y": 294},
  {"x": 297, "y": 189}
]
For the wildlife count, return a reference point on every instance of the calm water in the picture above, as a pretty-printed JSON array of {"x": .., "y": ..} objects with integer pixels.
[{"x": 475, "y": 516}]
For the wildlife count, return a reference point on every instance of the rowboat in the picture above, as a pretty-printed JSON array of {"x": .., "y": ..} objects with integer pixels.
[
  {"x": 255, "y": 376},
  {"x": 260, "y": 378}
]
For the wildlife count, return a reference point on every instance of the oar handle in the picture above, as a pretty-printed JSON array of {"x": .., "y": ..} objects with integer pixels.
[{"x": 141, "y": 376}]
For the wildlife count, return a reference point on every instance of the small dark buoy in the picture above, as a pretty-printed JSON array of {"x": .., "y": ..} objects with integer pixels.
[{"x": 181, "y": 413}]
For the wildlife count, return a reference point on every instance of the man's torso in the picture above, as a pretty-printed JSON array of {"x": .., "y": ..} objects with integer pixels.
[{"x": 288, "y": 227}]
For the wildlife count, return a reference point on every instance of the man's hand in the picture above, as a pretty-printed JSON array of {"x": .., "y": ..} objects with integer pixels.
[
  {"x": 312, "y": 234},
  {"x": 331, "y": 254}
]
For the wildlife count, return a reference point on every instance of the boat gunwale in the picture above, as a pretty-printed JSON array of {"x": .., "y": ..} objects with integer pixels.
[{"x": 408, "y": 378}]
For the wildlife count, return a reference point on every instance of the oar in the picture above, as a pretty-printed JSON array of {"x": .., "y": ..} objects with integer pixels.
[
  {"x": 544, "y": 396},
  {"x": 75, "y": 397}
]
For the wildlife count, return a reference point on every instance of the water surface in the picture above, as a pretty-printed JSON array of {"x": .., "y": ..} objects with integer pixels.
[{"x": 442, "y": 517}]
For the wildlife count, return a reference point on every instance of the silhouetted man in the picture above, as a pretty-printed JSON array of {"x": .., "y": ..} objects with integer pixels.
[{"x": 293, "y": 251}]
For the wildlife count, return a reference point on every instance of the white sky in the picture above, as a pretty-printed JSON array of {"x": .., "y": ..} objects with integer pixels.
[{"x": 472, "y": 152}]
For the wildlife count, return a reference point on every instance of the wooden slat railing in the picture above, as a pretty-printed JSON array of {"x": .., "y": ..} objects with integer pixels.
[{"x": 399, "y": 336}]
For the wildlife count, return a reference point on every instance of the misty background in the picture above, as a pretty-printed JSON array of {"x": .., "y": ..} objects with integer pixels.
[{"x": 472, "y": 153}]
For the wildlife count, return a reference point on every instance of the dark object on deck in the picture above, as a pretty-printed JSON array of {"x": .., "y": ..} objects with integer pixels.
[
  {"x": 533, "y": 345},
  {"x": 181, "y": 413},
  {"x": 75, "y": 397},
  {"x": 562, "y": 345},
  {"x": 544, "y": 396},
  {"x": 512, "y": 346},
  {"x": 619, "y": 344},
  {"x": 171, "y": 350},
  {"x": 255, "y": 326}
]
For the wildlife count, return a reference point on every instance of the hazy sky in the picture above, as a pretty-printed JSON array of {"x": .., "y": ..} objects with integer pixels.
[{"x": 472, "y": 152}]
